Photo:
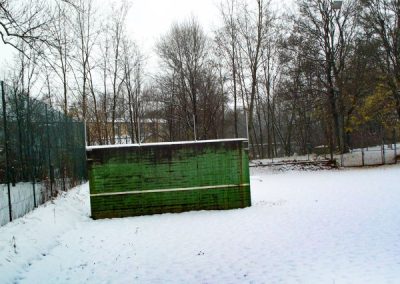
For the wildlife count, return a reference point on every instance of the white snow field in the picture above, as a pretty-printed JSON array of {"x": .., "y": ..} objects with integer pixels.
[{"x": 338, "y": 226}]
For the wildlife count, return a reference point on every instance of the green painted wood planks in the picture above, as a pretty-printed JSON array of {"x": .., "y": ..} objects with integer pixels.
[{"x": 146, "y": 179}]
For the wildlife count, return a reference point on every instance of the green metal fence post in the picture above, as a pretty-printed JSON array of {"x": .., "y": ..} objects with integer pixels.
[
  {"x": 383, "y": 146},
  {"x": 31, "y": 166},
  {"x": 49, "y": 151},
  {"x": 65, "y": 152},
  {"x": 21, "y": 160},
  {"x": 3, "y": 96},
  {"x": 395, "y": 145}
]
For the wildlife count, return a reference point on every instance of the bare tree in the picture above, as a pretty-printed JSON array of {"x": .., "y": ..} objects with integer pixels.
[
  {"x": 133, "y": 73},
  {"x": 103, "y": 69},
  {"x": 26, "y": 69},
  {"x": 227, "y": 41},
  {"x": 61, "y": 50},
  {"x": 85, "y": 35},
  {"x": 381, "y": 21},
  {"x": 117, "y": 35},
  {"x": 254, "y": 24},
  {"x": 26, "y": 22},
  {"x": 183, "y": 52},
  {"x": 332, "y": 29}
]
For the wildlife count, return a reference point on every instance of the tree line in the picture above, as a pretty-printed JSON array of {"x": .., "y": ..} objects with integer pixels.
[{"x": 325, "y": 75}]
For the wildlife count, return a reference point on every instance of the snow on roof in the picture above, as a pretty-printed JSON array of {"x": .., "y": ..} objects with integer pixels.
[{"x": 90, "y": 148}]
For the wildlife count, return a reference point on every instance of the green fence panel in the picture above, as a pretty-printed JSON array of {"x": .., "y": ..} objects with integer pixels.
[{"x": 168, "y": 177}]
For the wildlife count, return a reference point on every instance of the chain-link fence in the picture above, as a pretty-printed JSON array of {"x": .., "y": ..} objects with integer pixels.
[
  {"x": 371, "y": 146},
  {"x": 42, "y": 152}
]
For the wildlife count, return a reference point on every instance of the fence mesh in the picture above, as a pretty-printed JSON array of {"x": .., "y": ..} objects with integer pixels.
[{"x": 38, "y": 145}]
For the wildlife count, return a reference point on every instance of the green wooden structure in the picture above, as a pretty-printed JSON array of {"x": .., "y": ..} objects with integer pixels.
[{"x": 133, "y": 180}]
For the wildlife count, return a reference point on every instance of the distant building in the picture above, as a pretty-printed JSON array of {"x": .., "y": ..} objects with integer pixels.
[{"x": 151, "y": 130}]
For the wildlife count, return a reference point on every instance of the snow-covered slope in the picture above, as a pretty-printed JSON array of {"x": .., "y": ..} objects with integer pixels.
[{"x": 339, "y": 226}]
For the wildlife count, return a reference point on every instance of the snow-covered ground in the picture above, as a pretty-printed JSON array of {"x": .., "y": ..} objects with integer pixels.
[{"x": 340, "y": 226}]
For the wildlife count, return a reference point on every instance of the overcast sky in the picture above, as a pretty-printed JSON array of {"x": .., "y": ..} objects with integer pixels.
[{"x": 149, "y": 19}]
